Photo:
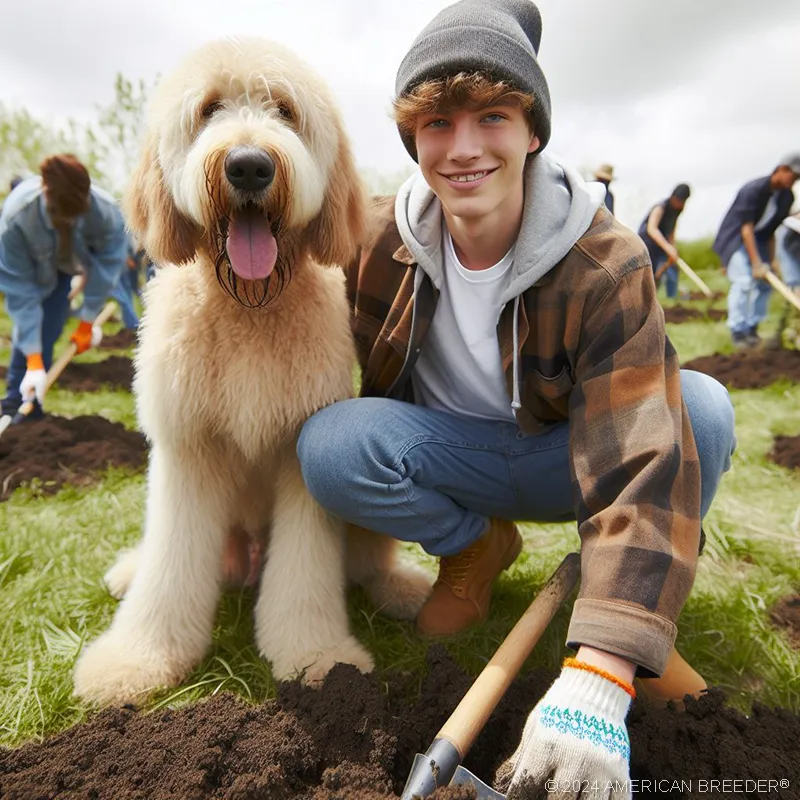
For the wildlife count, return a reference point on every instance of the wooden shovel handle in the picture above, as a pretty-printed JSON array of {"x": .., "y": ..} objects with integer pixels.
[
  {"x": 781, "y": 287},
  {"x": 477, "y": 705},
  {"x": 701, "y": 284}
]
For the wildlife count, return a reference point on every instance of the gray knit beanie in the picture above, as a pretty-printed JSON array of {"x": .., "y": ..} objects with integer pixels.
[{"x": 499, "y": 37}]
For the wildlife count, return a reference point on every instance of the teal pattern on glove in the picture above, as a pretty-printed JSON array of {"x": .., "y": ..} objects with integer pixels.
[{"x": 598, "y": 731}]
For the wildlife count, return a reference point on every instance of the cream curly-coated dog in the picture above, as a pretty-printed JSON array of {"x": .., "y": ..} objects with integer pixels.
[{"x": 245, "y": 189}]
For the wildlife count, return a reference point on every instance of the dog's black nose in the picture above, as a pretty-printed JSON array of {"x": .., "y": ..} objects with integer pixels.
[{"x": 249, "y": 169}]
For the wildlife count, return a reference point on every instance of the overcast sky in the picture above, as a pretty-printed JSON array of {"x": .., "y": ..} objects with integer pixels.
[{"x": 699, "y": 91}]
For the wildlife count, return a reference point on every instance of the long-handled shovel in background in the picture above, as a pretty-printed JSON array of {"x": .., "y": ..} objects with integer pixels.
[
  {"x": 56, "y": 370},
  {"x": 692, "y": 275},
  {"x": 781, "y": 287},
  {"x": 441, "y": 764}
]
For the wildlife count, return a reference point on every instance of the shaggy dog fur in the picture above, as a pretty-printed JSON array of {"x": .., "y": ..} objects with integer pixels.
[{"x": 227, "y": 371}]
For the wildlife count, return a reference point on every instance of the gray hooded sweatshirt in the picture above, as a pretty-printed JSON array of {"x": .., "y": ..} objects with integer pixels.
[{"x": 559, "y": 207}]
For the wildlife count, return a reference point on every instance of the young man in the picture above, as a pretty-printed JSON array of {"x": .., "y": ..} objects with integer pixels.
[
  {"x": 605, "y": 174},
  {"x": 50, "y": 228},
  {"x": 746, "y": 245},
  {"x": 658, "y": 234},
  {"x": 515, "y": 367}
]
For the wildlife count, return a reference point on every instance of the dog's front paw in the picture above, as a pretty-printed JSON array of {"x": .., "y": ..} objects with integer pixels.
[
  {"x": 311, "y": 668},
  {"x": 401, "y": 592},
  {"x": 111, "y": 671},
  {"x": 118, "y": 578}
]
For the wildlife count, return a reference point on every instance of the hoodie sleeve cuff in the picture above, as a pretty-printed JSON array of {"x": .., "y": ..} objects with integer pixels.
[{"x": 632, "y": 633}]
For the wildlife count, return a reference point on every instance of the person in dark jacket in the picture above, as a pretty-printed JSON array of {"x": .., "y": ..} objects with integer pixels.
[
  {"x": 658, "y": 233},
  {"x": 746, "y": 245}
]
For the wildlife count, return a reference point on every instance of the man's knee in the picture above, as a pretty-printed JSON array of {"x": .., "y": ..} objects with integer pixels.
[{"x": 710, "y": 411}]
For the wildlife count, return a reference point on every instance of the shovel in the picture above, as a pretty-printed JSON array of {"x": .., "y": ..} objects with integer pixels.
[
  {"x": 440, "y": 765},
  {"x": 699, "y": 282},
  {"x": 25, "y": 409},
  {"x": 781, "y": 287}
]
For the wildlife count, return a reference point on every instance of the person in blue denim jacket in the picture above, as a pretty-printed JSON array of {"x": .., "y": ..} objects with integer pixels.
[
  {"x": 745, "y": 244},
  {"x": 52, "y": 227}
]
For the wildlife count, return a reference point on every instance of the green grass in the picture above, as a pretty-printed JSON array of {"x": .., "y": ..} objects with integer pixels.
[{"x": 54, "y": 550}]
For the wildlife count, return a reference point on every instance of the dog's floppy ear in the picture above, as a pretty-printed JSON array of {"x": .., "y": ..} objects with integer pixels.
[
  {"x": 336, "y": 232},
  {"x": 166, "y": 234}
]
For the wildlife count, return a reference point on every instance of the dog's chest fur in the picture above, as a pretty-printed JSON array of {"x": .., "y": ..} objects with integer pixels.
[{"x": 209, "y": 367}]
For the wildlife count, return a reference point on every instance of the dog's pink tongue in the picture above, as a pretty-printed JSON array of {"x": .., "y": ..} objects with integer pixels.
[{"x": 252, "y": 248}]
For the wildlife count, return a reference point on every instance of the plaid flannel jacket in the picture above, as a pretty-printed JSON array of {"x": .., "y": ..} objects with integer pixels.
[{"x": 592, "y": 351}]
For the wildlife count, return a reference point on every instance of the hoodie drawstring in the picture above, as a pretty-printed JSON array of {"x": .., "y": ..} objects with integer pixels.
[{"x": 515, "y": 403}]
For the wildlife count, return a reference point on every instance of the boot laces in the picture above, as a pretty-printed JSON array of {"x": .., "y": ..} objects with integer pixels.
[{"x": 453, "y": 570}]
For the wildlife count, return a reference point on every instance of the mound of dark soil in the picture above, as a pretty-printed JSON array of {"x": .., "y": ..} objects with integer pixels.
[
  {"x": 56, "y": 450},
  {"x": 786, "y": 615},
  {"x": 122, "y": 340},
  {"x": 750, "y": 369},
  {"x": 786, "y": 451},
  {"x": 678, "y": 314},
  {"x": 355, "y": 738},
  {"x": 116, "y": 372}
]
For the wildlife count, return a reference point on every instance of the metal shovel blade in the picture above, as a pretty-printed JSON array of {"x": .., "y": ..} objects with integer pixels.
[{"x": 463, "y": 777}]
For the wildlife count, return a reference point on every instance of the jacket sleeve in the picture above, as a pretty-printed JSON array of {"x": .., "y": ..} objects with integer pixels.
[
  {"x": 636, "y": 477},
  {"x": 23, "y": 295},
  {"x": 107, "y": 258}
]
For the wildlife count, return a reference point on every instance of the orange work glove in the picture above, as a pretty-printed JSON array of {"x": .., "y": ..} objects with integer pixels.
[{"x": 86, "y": 336}]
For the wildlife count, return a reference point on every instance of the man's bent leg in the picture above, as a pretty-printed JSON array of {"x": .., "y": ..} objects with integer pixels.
[{"x": 414, "y": 473}]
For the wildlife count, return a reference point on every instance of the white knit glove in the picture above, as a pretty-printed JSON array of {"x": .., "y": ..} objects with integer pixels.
[
  {"x": 33, "y": 385},
  {"x": 575, "y": 742}
]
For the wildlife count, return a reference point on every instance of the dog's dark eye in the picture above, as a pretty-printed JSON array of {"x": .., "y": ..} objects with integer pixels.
[
  {"x": 209, "y": 109},
  {"x": 285, "y": 111}
]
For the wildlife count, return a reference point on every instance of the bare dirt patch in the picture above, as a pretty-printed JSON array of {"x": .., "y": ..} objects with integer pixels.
[
  {"x": 750, "y": 369},
  {"x": 678, "y": 314},
  {"x": 55, "y": 451},
  {"x": 355, "y": 739},
  {"x": 115, "y": 372},
  {"x": 786, "y": 451}
]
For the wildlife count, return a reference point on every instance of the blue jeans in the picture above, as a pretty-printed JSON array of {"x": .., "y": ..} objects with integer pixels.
[
  {"x": 670, "y": 277},
  {"x": 432, "y": 477},
  {"x": 55, "y": 311},
  {"x": 748, "y": 298},
  {"x": 123, "y": 294},
  {"x": 790, "y": 265}
]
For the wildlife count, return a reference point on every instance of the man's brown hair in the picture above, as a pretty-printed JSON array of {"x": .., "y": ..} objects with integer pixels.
[
  {"x": 67, "y": 183},
  {"x": 472, "y": 90}
]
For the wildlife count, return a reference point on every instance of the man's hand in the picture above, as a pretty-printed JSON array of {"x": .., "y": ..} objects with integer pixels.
[
  {"x": 575, "y": 743},
  {"x": 76, "y": 285},
  {"x": 760, "y": 270},
  {"x": 34, "y": 381},
  {"x": 86, "y": 336}
]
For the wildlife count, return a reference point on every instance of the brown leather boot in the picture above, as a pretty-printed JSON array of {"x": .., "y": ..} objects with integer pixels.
[
  {"x": 678, "y": 680},
  {"x": 462, "y": 592}
]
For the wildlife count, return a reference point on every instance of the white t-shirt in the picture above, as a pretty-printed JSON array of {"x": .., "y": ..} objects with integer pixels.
[{"x": 459, "y": 368}]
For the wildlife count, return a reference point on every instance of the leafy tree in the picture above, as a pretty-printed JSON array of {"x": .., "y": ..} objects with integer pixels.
[{"x": 108, "y": 145}]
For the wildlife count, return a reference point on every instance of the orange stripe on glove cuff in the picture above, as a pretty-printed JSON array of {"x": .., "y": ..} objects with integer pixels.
[{"x": 35, "y": 361}]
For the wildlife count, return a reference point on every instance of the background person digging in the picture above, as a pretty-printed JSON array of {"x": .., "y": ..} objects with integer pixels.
[
  {"x": 515, "y": 367},
  {"x": 658, "y": 234},
  {"x": 746, "y": 245},
  {"x": 49, "y": 227}
]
